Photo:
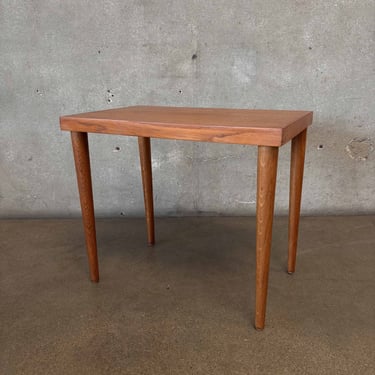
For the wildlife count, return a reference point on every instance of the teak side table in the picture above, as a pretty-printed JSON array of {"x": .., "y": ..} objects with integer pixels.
[{"x": 267, "y": 129}]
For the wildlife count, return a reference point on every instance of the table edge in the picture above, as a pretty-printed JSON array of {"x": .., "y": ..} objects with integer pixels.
[{"x": 190, "y": 132}]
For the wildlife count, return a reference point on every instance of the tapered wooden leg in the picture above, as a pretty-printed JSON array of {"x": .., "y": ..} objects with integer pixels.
[
  {"x": 146, "y": 168},
  {"x": 266, "y": 184},
  {"x": 296, "y": 176},
  {"x": 82, "y": 164}
]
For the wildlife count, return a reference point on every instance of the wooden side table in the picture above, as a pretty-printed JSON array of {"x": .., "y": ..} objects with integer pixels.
[{"x": 267, "y": 129}]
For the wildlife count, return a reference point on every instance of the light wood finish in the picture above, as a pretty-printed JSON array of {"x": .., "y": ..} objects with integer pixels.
[
  {"x": 241, "y": 126},
  {"x": 146, "y": 169},
  {"x": 266, "y": 184},
  {"x": 82, "y": 163},
  {"x": 268, "y": 129},
  {"x": 297, "y": 162}
]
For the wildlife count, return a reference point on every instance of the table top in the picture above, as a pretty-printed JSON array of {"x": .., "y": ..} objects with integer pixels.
[{"x": 241, "y": 126}]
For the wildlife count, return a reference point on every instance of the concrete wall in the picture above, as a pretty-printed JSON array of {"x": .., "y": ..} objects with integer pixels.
[{"x": 62, "y": 57}]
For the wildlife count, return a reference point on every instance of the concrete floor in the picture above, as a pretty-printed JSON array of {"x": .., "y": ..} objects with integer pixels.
[{"x": 186, "y": 306}]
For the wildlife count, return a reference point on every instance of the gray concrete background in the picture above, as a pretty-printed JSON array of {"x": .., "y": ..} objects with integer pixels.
[{"x": 76, "y": 56}]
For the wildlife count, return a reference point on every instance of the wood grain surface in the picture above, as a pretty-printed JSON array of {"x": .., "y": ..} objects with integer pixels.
[
  {"x": 144, "y": 145},
  {"x": 240, "y": 126},
  {"x": 266, "y": 184},
  {"x": 82, "y": 163},
  {"x": 297, "y": 161}
]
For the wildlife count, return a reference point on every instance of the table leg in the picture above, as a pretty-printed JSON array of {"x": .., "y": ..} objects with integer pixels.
[
  {"x": 266, "y": 184},
  {"x": 82, "y": 164},
  {"x": 146, "y": 168},
  {"x": 297, "y": 162}
]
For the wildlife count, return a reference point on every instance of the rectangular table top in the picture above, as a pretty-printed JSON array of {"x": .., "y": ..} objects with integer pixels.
[{"x": 241, "y": 126}]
